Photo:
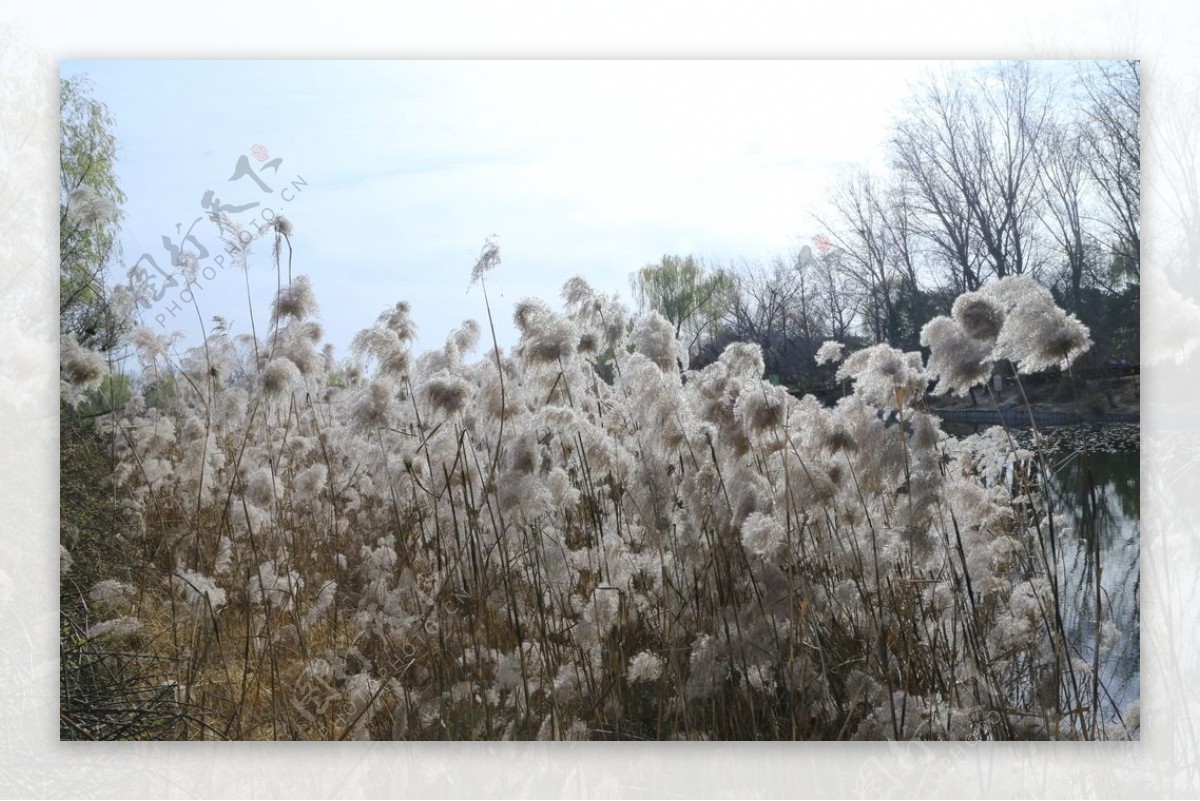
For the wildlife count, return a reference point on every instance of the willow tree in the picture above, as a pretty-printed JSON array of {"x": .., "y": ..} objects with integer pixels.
[
  {"x": 89, "y": 210},
  {"x": 683, "y": 290}
]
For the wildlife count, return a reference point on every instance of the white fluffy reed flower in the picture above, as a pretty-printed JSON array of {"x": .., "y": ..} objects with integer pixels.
[
  {"x": 262, "y": 488},
  {"x": 577, "y": 291},
  {"x": 124, "y": 305},
  {"x": 589, "y": 342},
  {"x": 375, "y": 405},
  {"x": 398, "y": 320},
  {"x": 1014, "y": 318},
  {"x": 297, "y": 342},
  {"x": 959, "y": 361},
  {"x": 762, "y": 534},
  {"x": 654, "y": 337},
  {"x": 562, "y": 493},
  {"x": 524, "y": 456},
  {"x": 462, "y": 341},
  {"x": 111, "y": 594},
  {"x": 614, "y": 324},
  {"x": 510, "y": 674},
  {"x": 280, "y": 376},
  {"x": 1016, "y": 290},
  {"x": 268, "y": 588},
  {"x": 296, "y": 301},
  {"x": 546, "y": 337},
  {"x": 86, "y": 206},
  {"x": 604, "y": 611},
  {"x": 567, "y": 683},
  {"x": 979, "y": 317},
  {"x": 82, "y": 369},
  {"x": 1039, "y": 335},
  {"x": 229, "y": 412},
  {"x": 388, "y": 340},
  {"x": 310, "y": 482},
  {"x": 121, "y": 628},
  {"x": 447, "y": 393},
  {"x": 927, "y": 430},
  {"x": 224, "y": 560},
  {"x": 644, "y": 666},
  {"x": 489, "y": 257},
  {"x": 361, "y": 692},
  {"x": 198, "y": 590},
  {"x": 743, "y": 360},
  {"x": 830, "y": 352},
  {"x": 322, "y": 604},
  {"x": 707, "y": 667},
  {"x": 761, "y": 408},
  {"x": 379, "y": 561},
  {"x": 387, "y": 347},
  {"x": 1036, "y": 334},
  {"x": 193, "y": 429},
  {"x": 884, "y": 376},
  {"x": 150, "y": 346}
]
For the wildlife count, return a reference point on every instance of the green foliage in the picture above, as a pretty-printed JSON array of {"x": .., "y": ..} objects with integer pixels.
[
  {"x": 1124, "y": 266},
  {"x": 106, "y": 691},
  {"x": 113, "y": 394},
  {"x": 89, "y": 212},
  {"x": 161, "y": 390},
  {"x": 682, "y": 290},
  {"x": 1114, "y": 320},
  {"x": 912, "y": 308},
  {"x": 337, "y": 378}
]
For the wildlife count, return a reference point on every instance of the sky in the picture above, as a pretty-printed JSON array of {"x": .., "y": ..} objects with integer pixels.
[
  {"x": 395, "y": 173},
  {"x": 1165, "y": 31}
]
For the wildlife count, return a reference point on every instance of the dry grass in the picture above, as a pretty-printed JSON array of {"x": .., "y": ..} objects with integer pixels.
[{"x": 438, "y": 549}]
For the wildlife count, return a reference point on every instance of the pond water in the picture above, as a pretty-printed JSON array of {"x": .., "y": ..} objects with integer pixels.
[
  {"x": 1099, "y": 494},
  {"x": 1095, "y": 485}
]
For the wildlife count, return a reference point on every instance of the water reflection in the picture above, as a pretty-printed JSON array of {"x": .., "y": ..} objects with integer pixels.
[
  {"x": 1098, "y": 493},
  {"x": 1094, "y": 486}
]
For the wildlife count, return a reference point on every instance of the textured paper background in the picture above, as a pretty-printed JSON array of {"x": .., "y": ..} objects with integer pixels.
[{"x": 1164, "y": 34}]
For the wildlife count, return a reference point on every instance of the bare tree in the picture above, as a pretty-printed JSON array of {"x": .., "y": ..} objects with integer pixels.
[
  {"x": 928, "y": 148},
  {"x": 862, "y": 231},
  {"x": 839, "y": 306},
  {"x": 1111, "y": 114},
  {"x": 901, "y": 224},
  {"x": 968, "y": 149},
  {"x": 875, "y": 226},
  {"x": 762, "y": 307},
  {"x": 1016, "y": 108},
  {"x": 1063, "y": 171},
  {"x": 781, "y": 308}
]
